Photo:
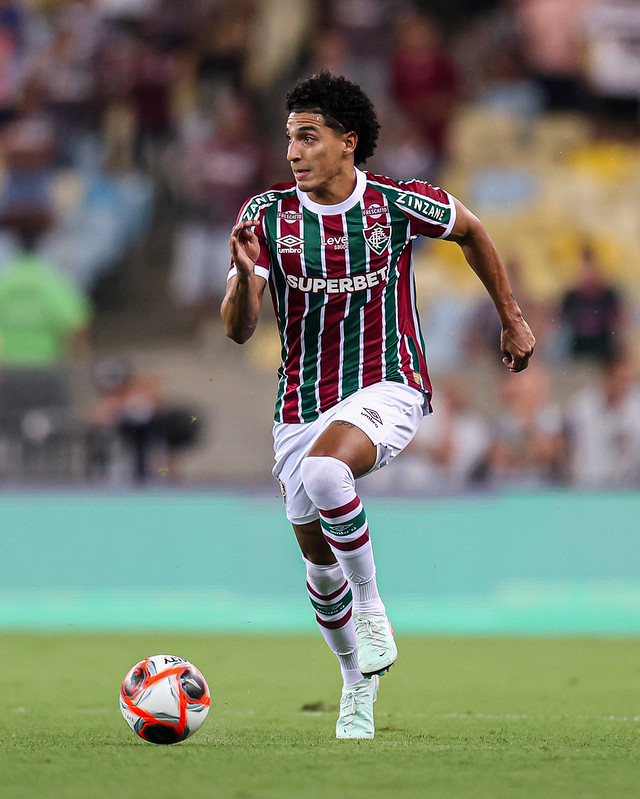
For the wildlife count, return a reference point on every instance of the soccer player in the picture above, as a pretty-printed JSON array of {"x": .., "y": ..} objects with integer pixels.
[{"x": 334, "y": 246}]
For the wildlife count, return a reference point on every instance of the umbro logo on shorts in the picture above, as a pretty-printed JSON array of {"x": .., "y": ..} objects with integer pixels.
[{"x": 373, "y": 416}]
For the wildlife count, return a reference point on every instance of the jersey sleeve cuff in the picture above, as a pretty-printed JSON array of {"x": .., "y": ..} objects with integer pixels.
[
  {"x": 452, "y": 219},
  {"x": 257, "y": 270}
]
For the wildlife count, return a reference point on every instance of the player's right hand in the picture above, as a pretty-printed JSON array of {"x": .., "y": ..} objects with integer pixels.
[{"x": 244, "y": 246}]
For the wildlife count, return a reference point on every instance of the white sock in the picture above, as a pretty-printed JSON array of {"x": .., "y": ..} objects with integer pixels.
[
  {"x": 330, "y": 596},
  {"x": 331, "y": 486}
]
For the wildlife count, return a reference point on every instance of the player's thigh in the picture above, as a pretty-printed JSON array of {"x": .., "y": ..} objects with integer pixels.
[
  {"x": 349, "y": 444},
  {"x": 291, "y": 443},
  {"x": 388, "y": 413}
]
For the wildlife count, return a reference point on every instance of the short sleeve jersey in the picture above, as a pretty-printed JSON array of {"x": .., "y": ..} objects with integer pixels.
[{"x": 342, "y": 285}]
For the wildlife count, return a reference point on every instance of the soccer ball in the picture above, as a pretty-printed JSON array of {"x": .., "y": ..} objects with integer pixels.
[{"x": 164, "y": 699}]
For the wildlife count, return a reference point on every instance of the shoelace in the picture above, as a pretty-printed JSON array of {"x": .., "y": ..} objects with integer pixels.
[
  {"x": 349, "y": 704},
  {"x": 373, "y": 630}
]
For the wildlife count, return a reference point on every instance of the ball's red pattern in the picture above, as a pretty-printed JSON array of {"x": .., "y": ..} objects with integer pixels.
[{"x": 186, "y": 684}]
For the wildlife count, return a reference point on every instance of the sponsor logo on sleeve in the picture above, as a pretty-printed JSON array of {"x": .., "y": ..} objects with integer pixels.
[
  {"x": 430, "y": 209},
  {"x": 258, "y": 203}
]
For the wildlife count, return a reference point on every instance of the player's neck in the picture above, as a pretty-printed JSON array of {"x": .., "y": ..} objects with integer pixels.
[{"x": 338, "y": 190}]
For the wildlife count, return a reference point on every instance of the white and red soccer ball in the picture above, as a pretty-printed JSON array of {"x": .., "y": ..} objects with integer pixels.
[{"x": 164, "y": 699}]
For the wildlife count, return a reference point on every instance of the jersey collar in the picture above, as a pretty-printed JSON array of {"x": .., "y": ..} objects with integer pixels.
[{"x": 340, "y": 208}]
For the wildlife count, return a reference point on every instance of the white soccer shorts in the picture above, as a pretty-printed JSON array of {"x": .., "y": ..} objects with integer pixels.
[{"x": 388, "y": 413}]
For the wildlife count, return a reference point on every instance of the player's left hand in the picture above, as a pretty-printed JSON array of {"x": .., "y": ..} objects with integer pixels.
[
  {"x": 517, "y": 343},
  {"x": 244, "y": 246}
]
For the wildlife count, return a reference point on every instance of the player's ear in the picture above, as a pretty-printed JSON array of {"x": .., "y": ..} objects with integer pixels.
[{"x": 349, "y": 143}]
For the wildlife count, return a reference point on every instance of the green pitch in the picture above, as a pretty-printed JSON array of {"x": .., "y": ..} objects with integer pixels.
[{"x": 455, "y": 718}]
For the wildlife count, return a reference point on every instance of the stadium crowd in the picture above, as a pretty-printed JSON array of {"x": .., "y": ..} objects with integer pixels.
[{"x": 124, "y": 121}]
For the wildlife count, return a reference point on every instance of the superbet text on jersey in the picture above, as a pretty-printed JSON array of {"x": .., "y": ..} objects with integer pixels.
[{"x": 342, "y": 285}]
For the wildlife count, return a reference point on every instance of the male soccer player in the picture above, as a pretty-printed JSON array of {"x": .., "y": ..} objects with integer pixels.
[{"x": 334, "y": 245}]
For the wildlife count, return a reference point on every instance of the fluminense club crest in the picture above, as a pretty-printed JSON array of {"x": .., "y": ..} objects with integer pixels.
[{"x": 378, "y": 237}]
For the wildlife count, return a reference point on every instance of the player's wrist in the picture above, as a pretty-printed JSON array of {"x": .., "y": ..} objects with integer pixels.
[
  {"x": 244, "y": 271},
  {"x": 510, "y": 314}
]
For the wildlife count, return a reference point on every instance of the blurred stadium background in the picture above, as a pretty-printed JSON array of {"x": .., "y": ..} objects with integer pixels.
[{"x": 130, "y": 133}]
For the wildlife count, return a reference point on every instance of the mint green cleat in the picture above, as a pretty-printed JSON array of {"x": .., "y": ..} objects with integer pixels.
[
  {"x": 356, "y": 709},
  {"x": 377, "y": 650}
]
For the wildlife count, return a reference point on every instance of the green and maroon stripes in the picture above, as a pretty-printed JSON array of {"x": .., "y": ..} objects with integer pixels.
[
  {"x": 332, "y": 610},
  {"x": 286, "y": 220},
  {"x": 392, "y": 353},
  {"x": 343, "y": 289},
  {"x": 335, "y": 236},
  {"x": 352, "y": 325},
  {"x": 312, "y": 321},
  {"x": 345, "y": 528}
]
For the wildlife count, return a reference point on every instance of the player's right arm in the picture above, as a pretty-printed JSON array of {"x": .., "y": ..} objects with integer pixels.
[{"x": 242, "y": 303}]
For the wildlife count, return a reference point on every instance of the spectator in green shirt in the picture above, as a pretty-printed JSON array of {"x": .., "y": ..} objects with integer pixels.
[
  {"x": 43, "y": 319},
  {"x": 43, "y": 316}
]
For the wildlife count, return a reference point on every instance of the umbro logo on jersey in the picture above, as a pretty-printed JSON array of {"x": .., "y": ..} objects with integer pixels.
[
  {"x": 378, "y": 237},
  {"x": 289, "y": 244},
  {"x": 373, "y": 416}
]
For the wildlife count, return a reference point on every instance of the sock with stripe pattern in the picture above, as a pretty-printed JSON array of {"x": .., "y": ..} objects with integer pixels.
[
  {"x": 330, "y": 484},
  {"x": 330, "y": 596}
]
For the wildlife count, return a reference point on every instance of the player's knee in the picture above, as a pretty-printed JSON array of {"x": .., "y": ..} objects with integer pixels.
[
  {"x": 327, "y": 481},
  {"x": 325, "y": 579}
]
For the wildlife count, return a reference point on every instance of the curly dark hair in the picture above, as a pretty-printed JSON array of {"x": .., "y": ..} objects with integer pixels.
[{"x": 344, "y": 106}]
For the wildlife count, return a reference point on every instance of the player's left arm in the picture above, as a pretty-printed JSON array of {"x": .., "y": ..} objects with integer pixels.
[
  {"x": 517, "y": 341},
  {"x": 242, "y": 302}
]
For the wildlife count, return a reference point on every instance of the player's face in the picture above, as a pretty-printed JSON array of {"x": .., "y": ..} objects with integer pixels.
[{"x": 321, "y": 158}]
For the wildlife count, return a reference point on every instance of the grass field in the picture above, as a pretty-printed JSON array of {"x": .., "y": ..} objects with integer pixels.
[{"x": 455, "y": 718}]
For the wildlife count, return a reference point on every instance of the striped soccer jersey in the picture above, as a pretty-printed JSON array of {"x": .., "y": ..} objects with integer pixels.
[{"x": 342, "y": 285}]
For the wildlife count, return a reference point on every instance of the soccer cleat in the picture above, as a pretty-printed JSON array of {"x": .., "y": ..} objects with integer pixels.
[
  {"x": 377, "y": 650},
  {"x": 356, "y": 709}
]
